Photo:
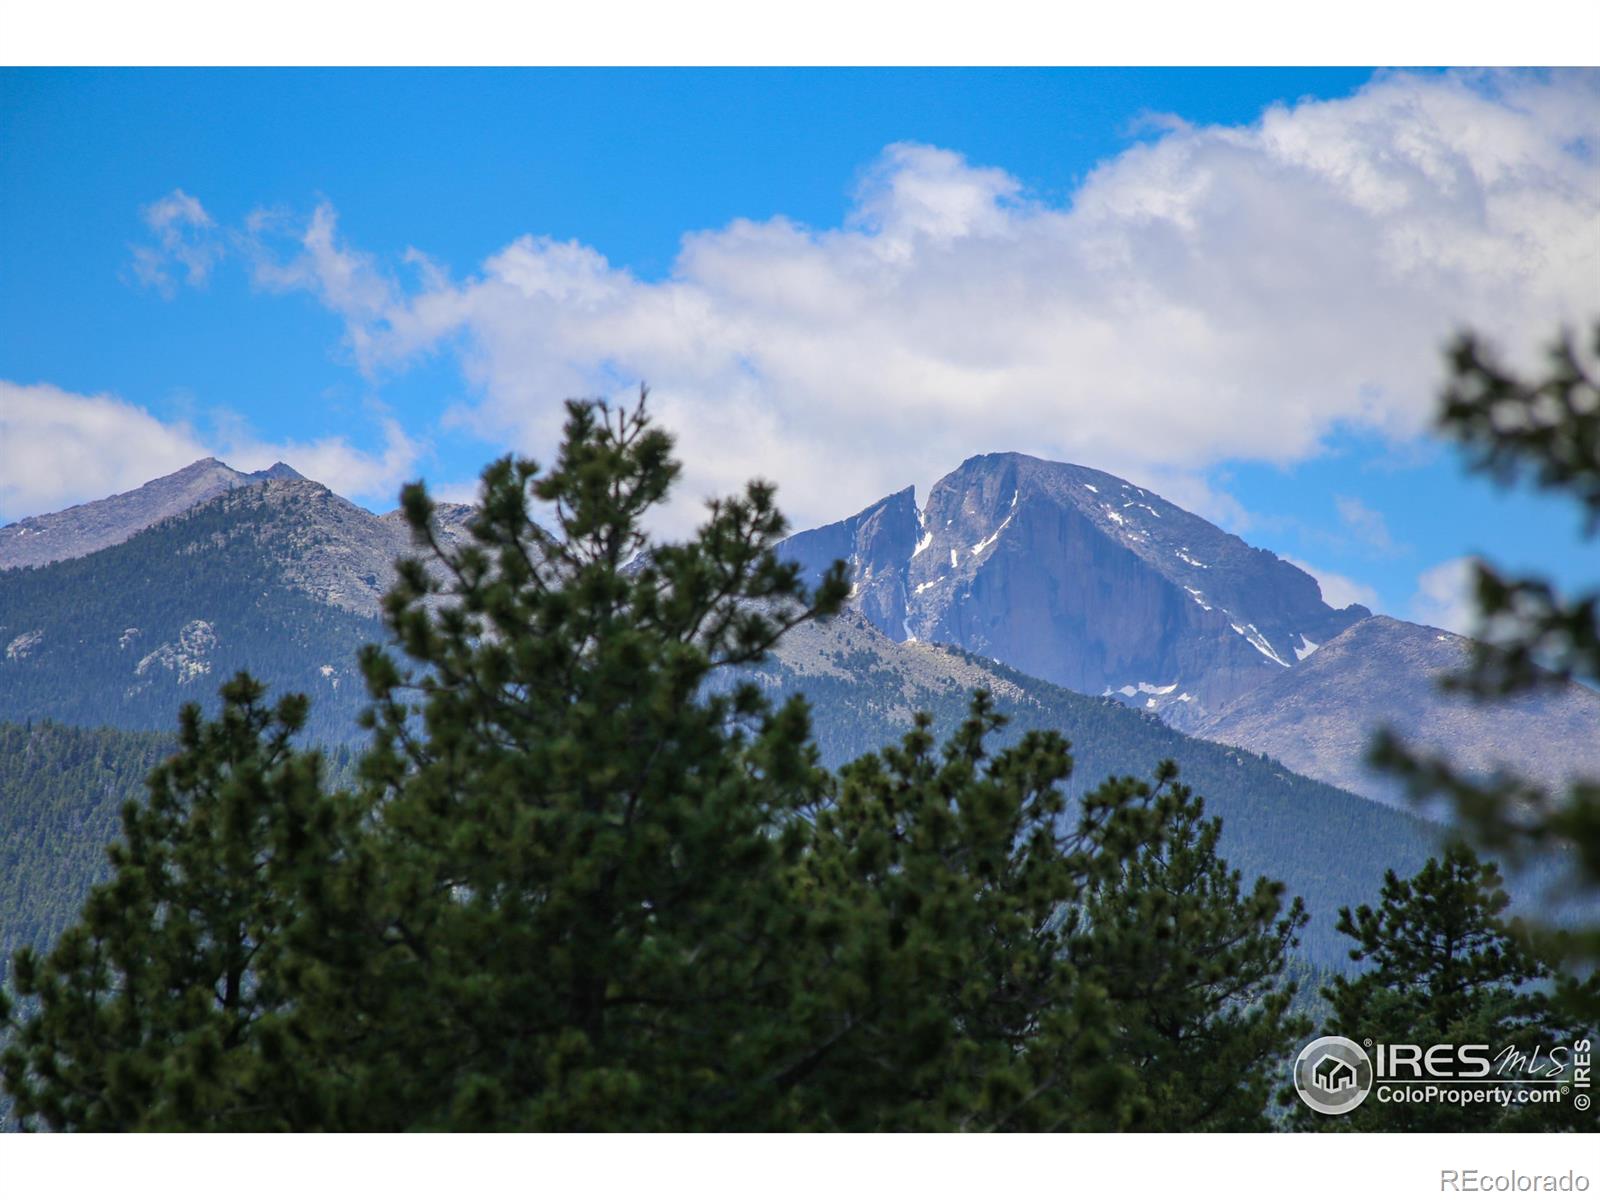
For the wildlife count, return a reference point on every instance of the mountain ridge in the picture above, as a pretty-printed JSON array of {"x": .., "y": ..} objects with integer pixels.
[
  {"x": 1064, "y": 573},
  {"x": 1320, "y": 719},
  {"x": 84, "y": 528}
]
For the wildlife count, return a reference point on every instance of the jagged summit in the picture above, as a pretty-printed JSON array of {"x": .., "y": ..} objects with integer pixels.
[
  {"x": 278, "y": 470},
  {"x": 85, "y": 528},
  {"x": 1080, "y": 578}
]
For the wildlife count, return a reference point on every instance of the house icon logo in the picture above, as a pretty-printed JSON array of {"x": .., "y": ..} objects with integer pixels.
[{"x": 1333, "y": 1075}]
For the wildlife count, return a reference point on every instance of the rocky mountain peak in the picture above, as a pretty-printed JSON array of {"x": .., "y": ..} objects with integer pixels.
[
  {"x": 278, "y": 470},
  {"x": 330, "y": 549},
  {"x": 1080, "y": 578},
  {"x": 85, "y": 528}
]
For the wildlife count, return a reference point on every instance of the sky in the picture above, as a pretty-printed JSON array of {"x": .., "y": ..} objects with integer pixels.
[{"x": 1230, "y": 286}]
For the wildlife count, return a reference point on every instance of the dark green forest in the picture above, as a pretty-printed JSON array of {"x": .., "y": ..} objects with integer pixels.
[
  {"x": 102, "y": 614},
  {"x": 61, "y": 797}
]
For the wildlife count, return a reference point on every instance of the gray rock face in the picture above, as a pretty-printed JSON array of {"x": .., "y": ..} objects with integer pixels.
[
  {"x": 877, "y": 543},
  {"x": 335, "y": 551},
  {"x": 1082, "y": 579},
  {"x": 85, "y": 528},
  {"x": 1319, "y": 718}
]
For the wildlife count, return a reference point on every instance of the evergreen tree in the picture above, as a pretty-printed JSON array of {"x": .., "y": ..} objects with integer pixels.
[
  {"x": 579, "y": 866},
  {"x": 944, "y": 998},
  {"x": 1443, "y": 966},
  {"x": 1194, "y": 968},
  {"x": 1546, "y": 429},
  {"x": 589, "y": 878}
]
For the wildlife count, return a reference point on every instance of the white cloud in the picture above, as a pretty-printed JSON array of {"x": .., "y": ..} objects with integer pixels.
[
  {"x": 59, "y": 448},
  {"x": 375, "y": 476},
  {"x": 1340, "y": 591},
  {"x": 1444, "y": 596},
  {"x": 1366, "y": 525},
  {"x": 186, "y": 237},
  {"x": 1215, "y": 293}
]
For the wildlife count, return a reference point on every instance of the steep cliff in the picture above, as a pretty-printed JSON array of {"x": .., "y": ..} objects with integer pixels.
[{"x": 1082, "y": 579}]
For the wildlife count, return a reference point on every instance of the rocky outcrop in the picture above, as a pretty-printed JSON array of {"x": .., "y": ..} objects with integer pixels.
[
  {"x": 188, "y": 656},
  {"x": 1082, "y": 579},
  {"x": 332, "y": 550},
  {"x": 1319, "y": 719},
  {"x": 85, "y": 528},
  {"x": 877, "y": 543}
]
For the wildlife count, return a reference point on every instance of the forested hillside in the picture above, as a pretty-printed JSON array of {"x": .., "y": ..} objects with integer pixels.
[
  {"x": 61, "y": 795},
  {"x": 1327, "y": 845},
  {"x": 125, "y": 636},
  {"x": 61, "y": 790}
]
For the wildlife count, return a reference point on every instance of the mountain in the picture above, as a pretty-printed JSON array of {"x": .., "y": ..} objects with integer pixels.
[
  {"x": 1082, "y": 579},
  {"x": 1319, "y": 718},
  {"x": 1090, "y": 582},
  {"x": 1328, "y": 845},
  {"x": 282, "y": 578},
  {"x": 85, "y": 528}
]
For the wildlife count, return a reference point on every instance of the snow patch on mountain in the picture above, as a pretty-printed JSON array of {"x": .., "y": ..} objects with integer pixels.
[
  {"x": 980, "y": 547},
  {"x": 1253, "y": 635},
  {"x": 1147, "y": 689}
]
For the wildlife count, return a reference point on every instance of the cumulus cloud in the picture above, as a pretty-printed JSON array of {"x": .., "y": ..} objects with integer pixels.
[
  {"x": 186, "y": 240},
  {"x": 59, "y": 448},
  {"x": 1340, "y": 591},
  {"x": 1444, "y": 596},
  {"x": 333, "y": 461},
  {"x": 1214, "y": 293}
]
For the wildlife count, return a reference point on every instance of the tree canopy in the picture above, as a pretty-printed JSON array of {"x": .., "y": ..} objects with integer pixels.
[{"x": 587, "y": 879}]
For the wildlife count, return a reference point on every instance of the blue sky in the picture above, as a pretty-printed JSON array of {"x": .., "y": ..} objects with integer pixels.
[{"x": 1230, "y": 285}]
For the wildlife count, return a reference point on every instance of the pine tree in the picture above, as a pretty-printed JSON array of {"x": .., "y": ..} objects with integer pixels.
[
  {"x": 579, "y": 865},
  {"x": 163, "y": 1008},
  {"x": 1443, "y": 966},
  {"x": 1546, "y": 429},
  {"x": 1194, "y": 968},
  {"x": 944, "y": 996}
]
